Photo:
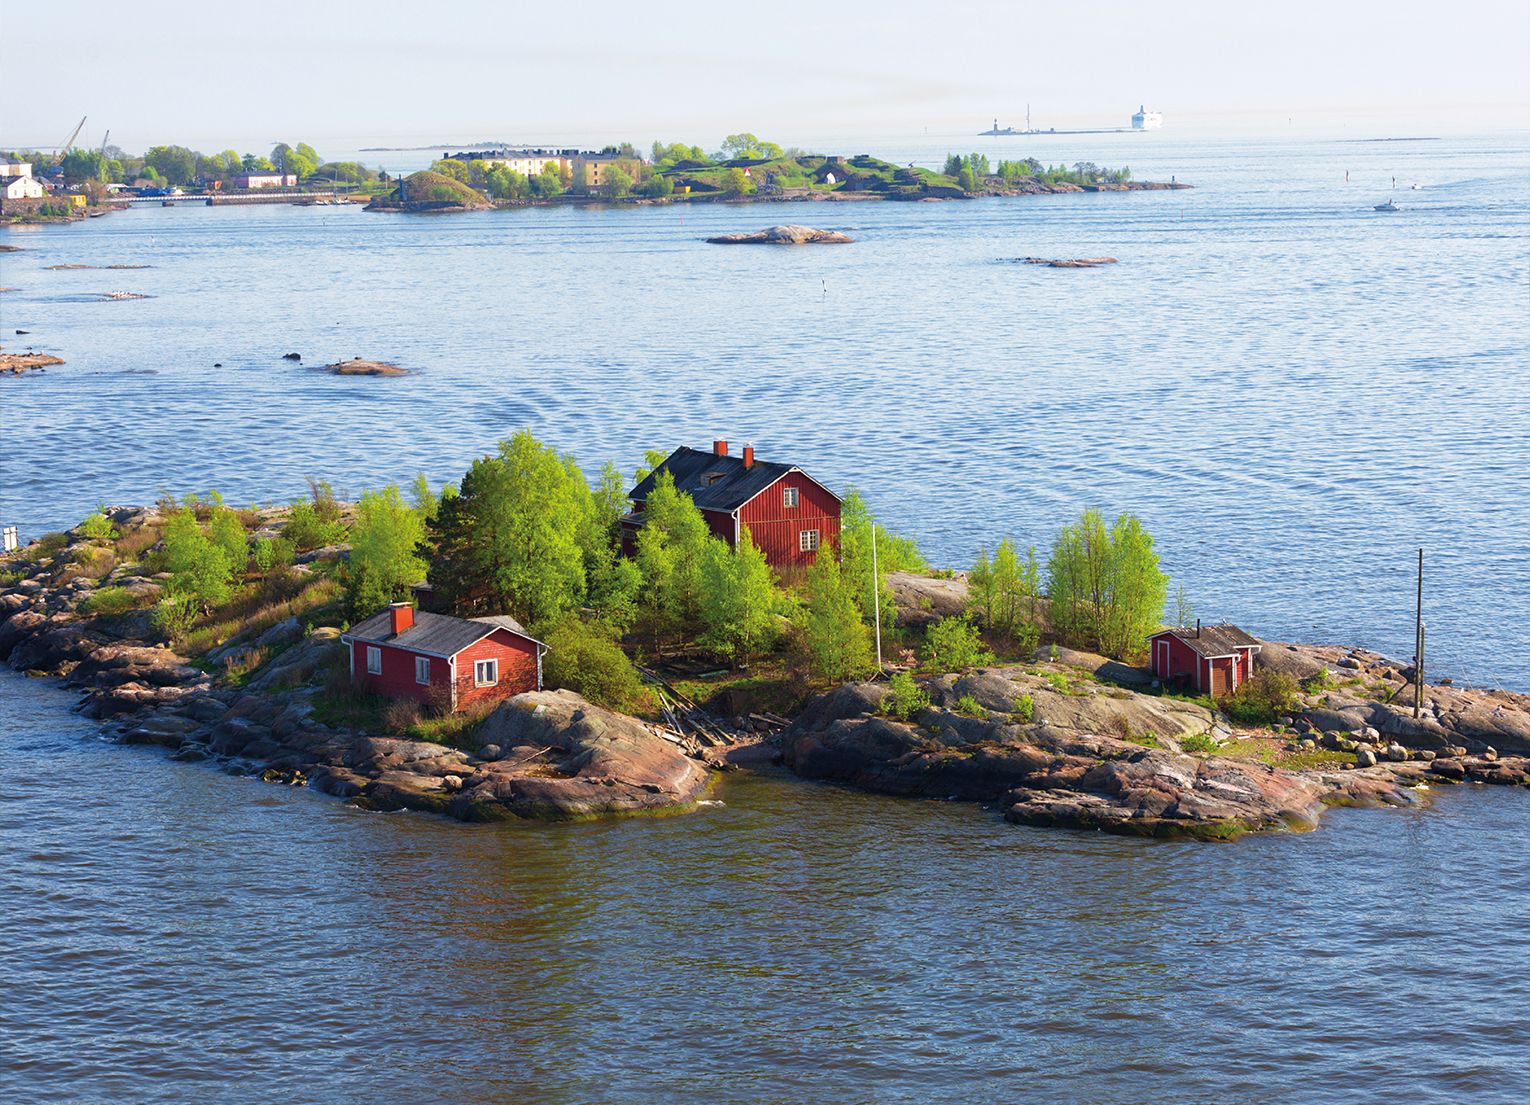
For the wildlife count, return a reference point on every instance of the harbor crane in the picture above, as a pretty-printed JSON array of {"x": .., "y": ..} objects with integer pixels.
[{"x": 69, "y": 145}]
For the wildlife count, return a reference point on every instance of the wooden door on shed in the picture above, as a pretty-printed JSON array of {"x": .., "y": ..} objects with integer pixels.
[{"x": 1221, "y": 678}]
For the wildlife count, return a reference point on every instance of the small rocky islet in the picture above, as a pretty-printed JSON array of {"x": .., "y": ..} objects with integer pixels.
[{"x": 1094, "y": 745}]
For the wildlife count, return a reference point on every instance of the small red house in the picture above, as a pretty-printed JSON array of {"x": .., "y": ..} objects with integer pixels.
[
  {"x": 790, "y": 515},
  {"x": 1213, "y": 659},
  {"x": 402, "y": 653}
]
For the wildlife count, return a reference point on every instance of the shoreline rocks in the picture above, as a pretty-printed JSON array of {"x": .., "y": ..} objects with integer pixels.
[
  {"x": 1106, "y": 759},
  {"x": 546, "y": 755}
]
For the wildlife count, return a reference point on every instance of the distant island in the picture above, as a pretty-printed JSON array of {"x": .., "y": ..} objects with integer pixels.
[
  {"x": 73, "y": 184},
  {"x": 746, "y": 169}
]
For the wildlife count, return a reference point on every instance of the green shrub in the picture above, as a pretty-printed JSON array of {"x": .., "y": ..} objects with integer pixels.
[
  {"x": 226, "y": 531},
  {"x": 309, "y": 527},
  {"x": 1198, "y": 742},
  {"x": 174, "y": 615},
  {"x": 1262, "y": 699},
  {"x": 48, "y": 545},
  {"x": 108, "y": 601},
  {"x": 1025, "y": 708},
  {"x": 271, "y": 554},
  {"x": 904, "y": 697},
  {"x": 952, "y": 644},
  {"x": 1058, "y": 682},
  {"x": 584, "y": 658},
  {"x": 201, "y": 569},
  {"x": 970, "y": 706},
  {"x": 97, "y": 527},
  {"x": 1322, "y": 681}
]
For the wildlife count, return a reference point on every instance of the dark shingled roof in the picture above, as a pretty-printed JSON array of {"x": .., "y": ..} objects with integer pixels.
[
  {"x": 714, "y": 482},
  {"x": 1213, "y": 640},
  {"x": 437, "y": 634}
]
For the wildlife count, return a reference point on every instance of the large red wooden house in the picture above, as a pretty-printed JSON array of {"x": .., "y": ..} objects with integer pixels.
[
  {"x": 1213, "y": 659},
  {"x": 790, "y": 515},
  {"x": 451, "y": 661}
]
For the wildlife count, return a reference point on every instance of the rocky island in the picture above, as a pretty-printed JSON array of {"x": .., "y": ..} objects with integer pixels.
[{"x": 1066, "y": 738}]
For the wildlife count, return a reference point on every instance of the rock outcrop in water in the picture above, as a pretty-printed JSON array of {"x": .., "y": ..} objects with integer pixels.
[
  {"x": 1051, "y": 752},
  {"x": 15, "y": 364},
  {"x": 787, "y": 234}
]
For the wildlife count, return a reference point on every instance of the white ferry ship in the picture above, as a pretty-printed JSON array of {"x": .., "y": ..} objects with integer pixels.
[{"x": 1147, "y": 120}]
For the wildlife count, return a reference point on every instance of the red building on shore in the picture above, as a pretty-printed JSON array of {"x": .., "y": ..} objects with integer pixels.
[
  {"x": 790, "y": 515},
  {"x": 449, "y": 661},
  {"x": 1213, "y": 659}
]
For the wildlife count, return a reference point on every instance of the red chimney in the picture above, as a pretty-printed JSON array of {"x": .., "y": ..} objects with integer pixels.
[
  {"x": 748, "y": 456},
  {"x": 720, "y": 447},
  {"x": 403, "y": 616}
]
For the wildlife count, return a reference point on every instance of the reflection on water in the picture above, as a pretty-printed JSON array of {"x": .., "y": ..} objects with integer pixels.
[{"x": 173, "y": 934}]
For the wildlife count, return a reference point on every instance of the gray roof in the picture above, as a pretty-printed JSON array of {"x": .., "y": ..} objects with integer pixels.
[
  {"x": 714, "y": 482},
  {"x": 437, "y": 634},
  {"x": 1213, "y": 640}
]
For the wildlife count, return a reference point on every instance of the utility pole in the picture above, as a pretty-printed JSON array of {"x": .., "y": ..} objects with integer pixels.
[
  {"x": 1418, "y": 642},
  {"x": 876, "y": 593}
]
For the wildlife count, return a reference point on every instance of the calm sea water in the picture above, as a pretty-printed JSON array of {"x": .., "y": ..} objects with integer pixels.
[
  {"x": 1293, "y": 391},
  {"x": 173, "y": 934}
]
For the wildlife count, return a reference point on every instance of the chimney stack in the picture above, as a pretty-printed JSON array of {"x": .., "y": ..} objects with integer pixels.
[
  {"x": 719, "y": 447},
  {"x": 1197, "y": 627},
  {"x": 748, "y": 456},
  {"x": 402, "y": 614}
]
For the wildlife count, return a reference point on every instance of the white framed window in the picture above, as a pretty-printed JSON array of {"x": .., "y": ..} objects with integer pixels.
[
  {"x": 807, "y": 540},
  {"x": 374, "y": 660},
  {"x": 485, "y": 673},
  {"x": 422, "y": 670},
  {"x": 788, "y": 496}
]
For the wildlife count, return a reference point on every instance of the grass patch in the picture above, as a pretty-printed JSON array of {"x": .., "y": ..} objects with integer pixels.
[
  {"x": 48, "y": 545},
  {"x": 257, "y": 607},
  {"x": 970, "y": 707},
  {"x": 109, "y": 601},
  {"x": 133, "y": 544},
  {"x": 1322, "y": 757}
]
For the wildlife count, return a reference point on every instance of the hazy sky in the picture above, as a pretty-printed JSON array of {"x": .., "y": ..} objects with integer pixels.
[{"x": 388, "y": 72}]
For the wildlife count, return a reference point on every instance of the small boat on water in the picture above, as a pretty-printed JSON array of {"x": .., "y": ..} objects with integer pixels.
[{"x": 1390, "y": 205}]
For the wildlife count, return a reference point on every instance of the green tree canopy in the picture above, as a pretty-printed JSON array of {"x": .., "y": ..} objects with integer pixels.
[
  {"x": 748, "y": 146},
  {"x": 838, "y": 642},
  {"x": 176, "y": 164},
  {"x": 1106, "y": 588},
  {"x": 201, "y": 569},
  {"x": 670, "y": 547},
  {"x": 509, "y": 540},
  {"x": 385, "y": 561},
  {"x": 1005, "y": 592},
  {"x": 738, "y": 600},
  {"x": 617, "y": 182},
  {"x": 81, "y": 165}
]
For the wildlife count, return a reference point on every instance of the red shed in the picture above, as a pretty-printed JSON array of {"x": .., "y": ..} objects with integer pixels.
[
  {"x": 402, "y": 653},
  {"x": 790, "y": 515},
  {"x": 1213, "y": 659}
]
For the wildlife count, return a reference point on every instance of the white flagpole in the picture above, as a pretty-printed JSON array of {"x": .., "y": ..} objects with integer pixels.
[{"x": 876, "y": 593}]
